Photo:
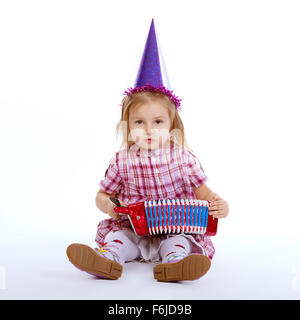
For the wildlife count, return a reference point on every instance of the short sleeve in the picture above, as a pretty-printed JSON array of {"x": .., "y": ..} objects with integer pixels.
[
  {"x": 194, "y": 170},
  {"x": 112, "y": 182}
]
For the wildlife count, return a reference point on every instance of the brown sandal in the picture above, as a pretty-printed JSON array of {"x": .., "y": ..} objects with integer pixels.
[
  {"x": 86, "y": 259},
  {"x": 191, "y": 267}
]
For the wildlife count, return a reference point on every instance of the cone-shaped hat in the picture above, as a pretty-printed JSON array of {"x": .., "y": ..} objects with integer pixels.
[{"x": 152, "y": 74}]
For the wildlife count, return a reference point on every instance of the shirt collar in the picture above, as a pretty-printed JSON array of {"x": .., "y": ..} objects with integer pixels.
[{"x": 151, "y": 153}]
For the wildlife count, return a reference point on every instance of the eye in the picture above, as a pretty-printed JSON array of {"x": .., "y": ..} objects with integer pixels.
[
  {"x": 139, "y": 121},
  {"x": 158, "y": 121}
]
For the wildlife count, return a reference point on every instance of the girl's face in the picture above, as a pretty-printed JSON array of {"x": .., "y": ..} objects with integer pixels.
[{"x": 149, "y": 125}]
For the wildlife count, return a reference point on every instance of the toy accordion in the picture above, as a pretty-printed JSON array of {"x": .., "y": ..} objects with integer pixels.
[{"x": 169, "y": 216}]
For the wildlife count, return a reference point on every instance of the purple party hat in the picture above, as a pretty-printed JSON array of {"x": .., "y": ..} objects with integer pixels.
[{"x": 152, "y": 75}]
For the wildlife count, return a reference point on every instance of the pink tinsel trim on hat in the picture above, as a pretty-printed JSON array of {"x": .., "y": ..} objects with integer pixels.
[{"x": 150, "y": 88}]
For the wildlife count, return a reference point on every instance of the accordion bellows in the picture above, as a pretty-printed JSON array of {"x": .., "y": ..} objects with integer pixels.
[{"x": 169, "y": 216}]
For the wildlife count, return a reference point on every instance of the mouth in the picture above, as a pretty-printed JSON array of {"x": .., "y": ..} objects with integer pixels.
[{"x": 149, "y": 140}]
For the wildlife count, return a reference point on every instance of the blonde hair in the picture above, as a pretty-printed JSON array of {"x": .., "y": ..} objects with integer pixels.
[{"x": 136, "y": 99}]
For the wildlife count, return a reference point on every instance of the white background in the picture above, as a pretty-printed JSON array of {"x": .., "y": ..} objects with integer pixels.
[{"x": 63, "y": 68}]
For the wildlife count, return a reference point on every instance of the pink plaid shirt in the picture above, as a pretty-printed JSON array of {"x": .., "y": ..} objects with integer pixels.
[{"x": 136, "y": 175}]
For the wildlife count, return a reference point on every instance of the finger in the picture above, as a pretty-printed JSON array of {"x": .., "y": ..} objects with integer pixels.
[
  {"x": 216, "y": 207},
  {"x": 219, "y": 203},
  {"x": 219, "y": 214},
  {"x": 115, "y": 216},
  {"x": 217, "y": 217},
  {"x": 213, "y": 208},
  {"x": 112, "y": 211},
  {"x": 214, "y": 212},
  {"x": 216, "y": 202}
]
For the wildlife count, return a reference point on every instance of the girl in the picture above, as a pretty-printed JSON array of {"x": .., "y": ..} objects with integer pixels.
[{"x": 155, "y": 163}]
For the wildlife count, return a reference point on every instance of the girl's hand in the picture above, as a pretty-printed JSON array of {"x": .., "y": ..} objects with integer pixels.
[
  {"x": 110, "y": 209},
  {"x": 218, "y": 208}
]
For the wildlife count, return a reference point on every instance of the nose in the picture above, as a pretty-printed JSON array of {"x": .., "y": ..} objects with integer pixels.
[{"x": 148, "y": 129}]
